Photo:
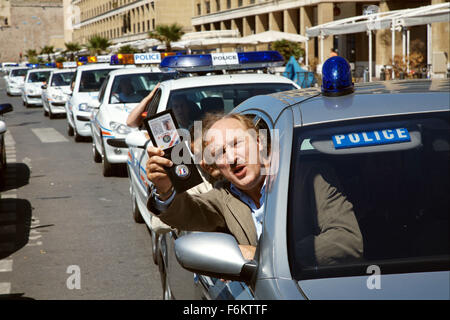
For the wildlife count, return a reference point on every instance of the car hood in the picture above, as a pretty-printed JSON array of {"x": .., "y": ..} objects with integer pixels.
[
  {"x": 118, "y": 112},
  {"x": 36, "y": 86}
]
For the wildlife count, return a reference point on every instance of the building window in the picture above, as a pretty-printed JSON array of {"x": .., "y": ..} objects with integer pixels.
[
  {"x": 199, "y": 9},
  {"x": 228, "y": 4},
  {"x": 208, "y": 7},
  {"x": 218, "y": 5},
  {"x": 239, "y": 3}
]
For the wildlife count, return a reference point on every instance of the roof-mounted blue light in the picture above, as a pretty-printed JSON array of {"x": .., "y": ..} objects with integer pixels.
[
  {"x": 32, "y": 65},
  {"x": 336, "y": 77},
  {"x": 223, "y": 61}
]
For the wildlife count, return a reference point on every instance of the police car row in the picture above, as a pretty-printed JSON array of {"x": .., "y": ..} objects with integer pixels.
[{"x": 384, "y": 147}]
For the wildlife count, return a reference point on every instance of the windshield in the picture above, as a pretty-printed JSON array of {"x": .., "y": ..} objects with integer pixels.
[
  {"x": 193, "y": 103},
  {"x": 62, "y": 79},
  {"x": 18, "y": 73},
  {"x": 397, "y": 194},
  {"x": 91, "y": 80},
  {"x": 132, "y": 88},
  {"x": 41, "y": 76}
]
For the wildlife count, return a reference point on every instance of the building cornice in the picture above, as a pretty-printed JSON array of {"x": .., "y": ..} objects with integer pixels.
[
  {"x": 112, "y": 13},
  {"x": 260, "y": 8}
]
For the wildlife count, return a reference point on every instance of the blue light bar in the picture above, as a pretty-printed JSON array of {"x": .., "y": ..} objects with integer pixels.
[
  {"x": 336, "y": 77},
  {"x": 32, "y": 65},
  {"x": 50, "y": 65},
  {"x": 224, "y": 61}
]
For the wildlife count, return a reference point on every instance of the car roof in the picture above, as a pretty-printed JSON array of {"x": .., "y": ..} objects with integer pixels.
[
  {"x": 134, "y": 71},
  {"x": 370, "y": 100},
  {"x": 64, "y": 70},
  {"x": 43, "y": 69},
  {"x": 211, "y": 80},
  {"x": 95, "y": 66}
]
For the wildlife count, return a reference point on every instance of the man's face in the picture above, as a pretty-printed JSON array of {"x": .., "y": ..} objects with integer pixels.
[{"x": 236, "y": 153}]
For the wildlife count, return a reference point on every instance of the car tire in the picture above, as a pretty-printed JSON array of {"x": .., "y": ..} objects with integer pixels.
[
  {"x": 70, "y": 131},
  {"x": 77, "y": 137},
  {"x": 137, "y": 217},
  {"x": 167, "y": 293},
  {"x": 45, "y": 113},
  {"x": 96, "y": 155},
  {"x": 155, "y": 239},
  {"x": 51, "y": 115},
  {"x": 108, "y": 169}
]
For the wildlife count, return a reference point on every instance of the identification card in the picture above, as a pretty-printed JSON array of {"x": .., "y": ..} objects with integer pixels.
[{"x": 163, "y": 131}]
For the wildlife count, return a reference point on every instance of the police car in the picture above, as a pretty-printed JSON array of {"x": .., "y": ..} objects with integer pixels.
[
  {"x": 32, "y": 89},
  {"x": 192, "y": 97},
  {"x": 16, "y": 80},
  {"x": 121, "y": 92},
  {"x": 385, "y": 147},
  {"x": 86, "y": 85},
  {"x": 56, "y": 93}
]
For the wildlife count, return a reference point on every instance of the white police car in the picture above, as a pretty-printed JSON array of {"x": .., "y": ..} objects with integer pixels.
[
  {"x": 86, "y": 85},
  {"x": 57, "y": 92},
  {"x": 16, "y": 80},
  {"x": 120, "y": 93},
  {"x": 32, "y": 89},
  {"x": 192, "y": 97},
  {"x": 384, "y": 148}
]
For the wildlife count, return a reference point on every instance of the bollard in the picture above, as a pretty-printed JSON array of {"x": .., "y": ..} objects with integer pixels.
[
  {"x": 366, "y": 75},
  {"x": 382, "y": 75}
]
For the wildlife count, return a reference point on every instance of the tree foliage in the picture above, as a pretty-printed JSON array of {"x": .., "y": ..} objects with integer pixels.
[
  {"x": 128, "y": 49},
  {"x": 288, "y": 48},
  {"x": 167, "y": 34},
  {"x": 98, "y": 45}
]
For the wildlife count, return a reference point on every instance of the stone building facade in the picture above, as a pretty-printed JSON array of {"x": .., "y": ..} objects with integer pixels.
[
  {"x": 127, "y": 20},
  {"x": 294, "y": 16},
  {"x": 30, "y": 24}
]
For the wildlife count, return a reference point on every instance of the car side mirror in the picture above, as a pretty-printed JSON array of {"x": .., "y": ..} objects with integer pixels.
[
  {"x": 2, "y": 127},
  {"x": 4, "y": 108},
  {"x": 44, "y": 87},
  {"x": 136, "y": 139},
  {"x": 214, "y": 254}
]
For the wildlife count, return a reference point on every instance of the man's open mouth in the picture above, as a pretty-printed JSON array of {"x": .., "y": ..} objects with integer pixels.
[{"x": 239, "y": 171}]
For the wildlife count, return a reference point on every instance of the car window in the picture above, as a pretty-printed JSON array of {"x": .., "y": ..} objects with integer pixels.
[
  {"x": 193, "y": 103},
  {"x": 62, "y": 79},
  {"x": 398, "y": 193},
  {"x": 91, "y": 80},
  {"x": 132, "y": 88},
  {"x": 41, "y": 76},
  {"x": 101, "y": 94},
  {"x": 18, "y": 73}
]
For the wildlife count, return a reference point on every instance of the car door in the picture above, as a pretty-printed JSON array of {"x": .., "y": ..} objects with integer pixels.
[
  {"x": 139, "y": 158},
  {"x": 95, "y": 126}
]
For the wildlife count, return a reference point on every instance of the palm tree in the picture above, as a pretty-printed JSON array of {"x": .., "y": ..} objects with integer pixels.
[
  {"x": 72, "y": 47},
  {"x": 30, "y": 53},
  {"x": 127, "y": 49},
  {"x": 48, "y": 50},
  {"x": 97, "y": 45},
  {"x": 167, "y": 34}
]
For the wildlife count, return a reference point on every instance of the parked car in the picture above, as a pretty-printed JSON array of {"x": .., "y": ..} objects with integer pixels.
[
  {"x": 387, "y": 144},
  {"x": 4, "y": 108},
  {"x": 57, "y": 92}
]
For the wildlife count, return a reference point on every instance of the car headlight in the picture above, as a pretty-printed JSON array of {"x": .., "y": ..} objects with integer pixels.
[
  {"x": 119, "y": 128},
  {"x": 58, "y": 97},
  {"x": 83, "y": 107}
]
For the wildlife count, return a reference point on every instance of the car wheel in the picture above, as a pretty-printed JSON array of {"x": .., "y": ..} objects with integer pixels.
[
  {"x": 97, "y": 155},
  {"x": 70, "y": 131},
  {"x": 50, "y": 114},
  {"x": 108, "y": 169},
  {"x": 77, "y": 137},
  {"x": 135, "y": 209},
  {"x": 155, "y": 239},
  {"x": 45, "y": 113},
  {"x": 167, "y": 293}
]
